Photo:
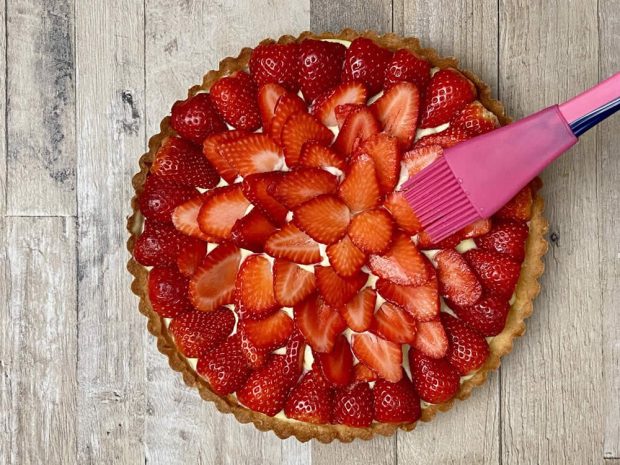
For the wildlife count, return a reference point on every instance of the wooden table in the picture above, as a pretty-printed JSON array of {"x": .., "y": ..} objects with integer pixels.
[{"x": 87, "y": 82}]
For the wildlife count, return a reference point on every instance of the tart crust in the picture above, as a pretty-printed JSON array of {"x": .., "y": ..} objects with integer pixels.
[{"x": 526, "y": 290}]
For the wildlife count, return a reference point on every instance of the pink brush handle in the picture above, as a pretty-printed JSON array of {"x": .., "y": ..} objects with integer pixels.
[{"x": 591, "y": 99}]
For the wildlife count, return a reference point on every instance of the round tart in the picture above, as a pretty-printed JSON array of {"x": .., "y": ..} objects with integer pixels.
[{"x": 278, "y": 263}]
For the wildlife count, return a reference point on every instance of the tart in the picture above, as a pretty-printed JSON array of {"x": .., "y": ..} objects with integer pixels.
[{"x": 278, "y": 264}]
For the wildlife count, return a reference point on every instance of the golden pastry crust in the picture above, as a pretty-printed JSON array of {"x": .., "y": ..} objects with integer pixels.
[{"x": 527, "y": 288}]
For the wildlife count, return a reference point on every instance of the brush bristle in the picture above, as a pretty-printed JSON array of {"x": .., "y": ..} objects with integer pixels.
[{"x": 439, "y": 201}]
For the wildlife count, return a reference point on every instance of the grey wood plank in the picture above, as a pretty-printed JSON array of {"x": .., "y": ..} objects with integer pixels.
[
  {"x": 3, "y": 104},
  {"x": 38, "y": 341},
  {"x": 609, "y": 238},
  {"x": 111, "y": 137},
  {"x": 180, "y": 427},
  {"x": 552, "y": 392},
  {"x": 41, "y": 113}
]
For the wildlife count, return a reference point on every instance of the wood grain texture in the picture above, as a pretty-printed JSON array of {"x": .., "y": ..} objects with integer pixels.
[
  {"x": 551, "y": 402},
  {"x": 608, "y": 214},
  {"x": 38, "y": 341},
  {"x": 41, "y": 99},
  {"x": 3, "y": 103},
  {"x": 110, "y": 129}
]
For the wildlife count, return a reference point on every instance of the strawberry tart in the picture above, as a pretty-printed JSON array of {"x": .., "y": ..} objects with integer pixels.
[{"x": 277, "y": 260}]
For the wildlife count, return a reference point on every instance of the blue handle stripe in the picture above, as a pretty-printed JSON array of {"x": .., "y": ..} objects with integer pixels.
[{"x": 582, "y": 124}]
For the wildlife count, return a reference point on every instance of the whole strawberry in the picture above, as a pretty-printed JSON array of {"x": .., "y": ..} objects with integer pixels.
[
  {"x": 447, "y": 93},
  {"x": 275, "y": 63},
  {"x": 435, "y": 379},
  {"x": 168, "y": 292},
  {"x": 224, "y": 366},
  {"x": 159, "y": 244},
  {"x": 366, "y": 62},
  {"x": 487, "y": 316},
  {"x": 254, "y": 357},
  {"x": 320, "y": 66},
  {"x": 406, "y": 66},
  {"x": 235, "y": 98},
  {"x": 498, "y": 273},
  {"x": 507, "y": 237},
  {"x": 197, "y": 332},
  {"x": 353, "y": 405},
  {"x": 396, "y": 402},
  {"x": 311, "y": 400},
  {"x": 160, "y": 197},
  {"x": 195, "y": 118},
  {"x": 468, "y": 350}
]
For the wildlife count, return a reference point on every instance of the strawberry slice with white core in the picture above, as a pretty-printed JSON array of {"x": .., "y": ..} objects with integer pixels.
[
  {"x": 346, "y": 93},
  {"x": 268, "y": 96},
  {"x": 417, "y": 159},
  {"x": 421, "y": 301},
  {"x": 297, "y": 187},
  {"x": 291, "y": 243},
  {"x": 185, "y": 218},
  {"x": 345, "y": 257},
  {"x": 210, "y": 149},
  {"x": 319, "y": 323},
  {"x": 254, "y": 153},
  {"x": 397, "y": 111},
  {"x": 221, "y": 210},
  {"x": 359, "y": 126},
  {"x": 358, "y": 313},
  {"x": 299, "y": 129},
  {"x": 288, "y": 105},
  {"x": 315, "y": 155},
  {"x": 336, "y": 290},
  {"x": 403, "y": 215},
  {"x": 431, "y": 339},
  {"x": 457, "y": 281},
  {"x": 402, "y": 264},
  {"x": 251, "y": 231},
  {"x": 256, "y": 187},
  {"x": 371, "y": 231},
  {"x": 360, "y": 188},
  {"x": 254, "y": 288},
  {"x": 324, "y": 218},
  {"x": 337, "y": 365},
  {"x": 271, "y": 332},
  {"x": 393, "y": 323},
  {"x": 291, "y": 283},
  {"x": 343, "y": 112},
  {"x": 381, "y": 356},
  {"x": 384, "y": 151}
]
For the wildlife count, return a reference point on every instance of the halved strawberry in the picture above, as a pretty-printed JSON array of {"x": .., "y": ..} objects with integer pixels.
[
  {"x": 275, "y": 63},
  {"x": 393, "y": 323},
  {"x": 254, "y": 357},
  {"x": 403, "y": 215},
  {"x": 320, "y": 64},
  {"x": 190, "y": 257},
  {"x": 213, "y": 283},
  {"x": 384, "y": 151},
  {"x": 431, "y": 339},
  {"x": 407, "y": 66},
  {"x": 210, "y": 149},
  {"x": 198, "y": 332},
  {"x": 335, "y": 289},
  {"x": 402, "y": 263},
  {"x": 160, "y": 197},
  {"x": 497, "y": 272},
  {"x": 268, "y": 96},
  {"x": 507, "y": 237},
  {"x": 421, "y": 301},
  {"x": 269, "y": 333},
  {"x": 324, "y": 107},
  {"x": 291, "y": 283},
  {"x": 476, "y": 229},
  {"x": 251, "y": 231},
  {"x": 445, "y": 139},
  {"x": 221, "y": 209},
  {"x": 315, "y": 155},
  {"x": 358, "y": 313},
  {"x": 291, "y": 243},
  {"x": 345, "y": 257},
  {"x": 185, "y": 218},
  {"x": 319, "y": 323},
  {"x": 337, "y": 365},
  {"x": 362, "y": 373},
  {"x": 254, "y": 153},
  {"x": 294, "y": 355},
  {"x": 224, "y": 367},
  {"x": 299, "y": 129},
  {"x": 519, "y": 208},
  {"x": 487, "y": 316},
  {"x": 416, "y": 159},
  {"x": 467, "y": 350},
  {"x": 234, "y": 97},
  {"x": 254, "y": 288},
  {"x": 311, "y": 401},
  {"x": 397, "y": 110},
  {"x": 324, "y": 218},
  {"x": 195, "y": 118},
  {"x": 360, "y": 188},
  {"x": 379, "y": 355},
  {"x": 396, "y": 402},
  {"x": 296, "y": 187},
  {"x": 256, "y": 188},
  {"x": 159, "y": 244},
  {"x": 168, "y": 292},
  {"x": 457, "y": 281},
  {"x": 359, "y": 126},
  {"x": 475, "y": 119},
  {"x": 447, "y": 93},
  {"x": 288, "y": 105},
  {"x": 371, "y": 231},
  {"x": 435, "y": 380},
  {"x": 353, "y": 405},
  {"x": 366, "y": 62},
  {"x": 343, "y": 111}
]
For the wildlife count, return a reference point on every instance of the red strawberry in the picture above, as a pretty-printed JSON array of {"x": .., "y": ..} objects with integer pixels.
[
  {"x": 195, "y": 118},
  {"x": 288, "y": 105},
  {"x": 297, "y": 187},
  {"x": 457, "y": 282},
  {"x": 235, "y": 98},
  {"x": 359, "y": 126},
  {"x": 294, "y": 356},
  {"x": 402, "y": 263},
  {"x": 519, "y": 208},
  {"x": 507, "y": 237},
  {"x": 190, "y": 257},
  {"x": 467, "y": 350},
  {"x": 254, "y": 288},
  {"x": 268, "y": 96},
  {"x": 476, "y": 229},
  {"x": 251, "y": 231},
  {"x": 197, "y": 332},
  {"x": 362, "y": 373},
  {"x": 254, "y": 153},
  {"x": 256, "y": 188},
  {"x": 403, "y": 215},
  {"x": 160, "y": 197},
  {"x": 487, "y": 316},
  {"x": 366, "y": 62},
  {"x": 447, "y": 93},
  {"x": 168, "y": 292},
  {"x": 358, "y": 313},
  {"x": 179, "y": 161},
  {"x": 185, "y": 218},
  {"x": 221, "y": 210},
  {"x": 360, "y": 188},
  {"x": 475, "y": 119},
  {"x": 347, "y": 93},
  {"x": 213, "y": 283},
  {"x": 497, "y": 272},
  {"x": 299, "y": 129},
  {"x": 384, "y": 151},
  {"x": 211, "y": 150},
  {"x": 421, "y": 301},
  {"x": 419, "y": 158},
  {"x": 431, "y": 339},
  {"x": 324, "y": 218},
  {"x": 397, "y": 111},
  {"x": 319, "y": 323},
  {"x": 276, "y": 63},
  {"x": 345, "y": 257},
  {"x": 291, "y": 283},
  {"x": 290, "y": 243},
  {"x": 254, "y": 357},
  {"x": 396, "y": 402},
  {"x": 445, "y": 139},
  {"x": 436, "y": 381},
  {"x": 311, "y": 400},
  {"x": 353, "y": 405},
  {"x": 224, "y": 367},
  {"x": 337, "y": 365},
  {"x": 159, "y": 244},
  {"x": 371, "y": 231},
  {"x": 336, "y": 290},
  {"x": 320, "y": 65},
  {"x": 343, "y": 111},
  {"x": 379, "y": 355},
  {"x": 269, "y": 333},
  {"x": 315, "y": 155},
  {"x": 393, "y": 323},
  {"x": 409, "y": 67},
  {"x": 425, "y": 242}
]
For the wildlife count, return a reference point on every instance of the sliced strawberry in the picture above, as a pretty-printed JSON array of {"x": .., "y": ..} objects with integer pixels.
[
  {"x": 297, "y": 187},
  {"x": 366, "y": 62},
  {"x": 345, "y": 257},
  {"x": 291, "y": 243},
  {"x": 198, "y": 332},
  {"x": 519, "y": 208},
  {"x": 320, "y": 64},
  {"x": 445, "y": 139},
  {"x": 497, "y": 272},
  {"x": 159, "y": 244},
  {"x": 185, "y": 218},
  {"x": 179, "y": 161},
  {"x": 487, "y": 316},
  {"x": 421, "y": 301},
  {"x": 268, "y": 96},
  {"x": 371, "y": 231},
  {"x": 299, "y": 129},
  {"x": 234, "y": 97},
  {"x": 315, "y": 155},
  {"x": 467, "y": 350},
  {"x": 291, "y": 283},
  {"x": 168, "y": 292},
  {"x": 475, "y": 119},
  {"x": 294, "y": 355},
  {"x": 337, "y": 365},
  {"x": 336, "y": 290},
  {"x": 324, "y": 218},
  {"x": 360, "y": 188},
  {"x": 379, "y": 355},
  {"x": 221, "y": 209},
  {"x": 319, "y": 323},
  {"x": 447, "y": 93},
  {"x": 254, "y": 357},
  {"x": 276, "y": 63},
  {"x": 358, "y": 313},
  {"x": 213, "y": 283},
  {"x": 324, "y": 107},
  {"x": 288, "y": 105},
  {"x": 195, "y": 118},
  {"x": 384, "y": 151},
  {"x": 190, "y": 257},
  {"x": 507, "y": 237},
  {"x": 402, "y": 263},
  {"x": 431, "y": 339},
  {"x": 396, "y": 402},
  {"x": 393, "y": 323},
  {"x": 457, "y": 281},
  {"x": 224, "y": 367},
  {"x": 353, "y": 405},
  {"x": 409, "y": 67},
  {"x": 269, "y": 333},
  {"x": 359, "y": 126},
  {"x": 311, "y": 401},
  {"x": 343, "y": 111},
  {"x": 210, "y": 149},
  {"x": 267, "y": 388},
  {"x": 160, "y": 197},
  {"x": 251, "y": 231},
  {"x": 256, "y": 188},
  {"x": 397, "y": 110},
  {"x": 419, "y": 158},
  {"x": 403, "y": 215},
  {"x": 362, "y": 373},
  {"x": 436, "y": 381},
  {"x": 476, "y": 229},
  {"x": 426, "y": 242},
  {"x": 254, "y": 288},
  {"x": 254, "y": 153}
]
